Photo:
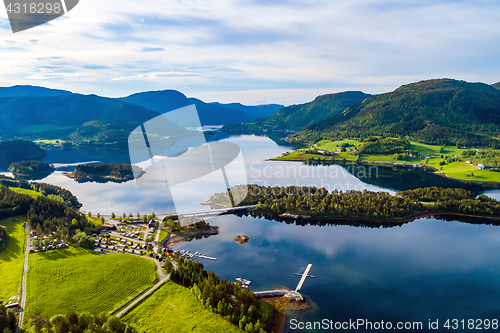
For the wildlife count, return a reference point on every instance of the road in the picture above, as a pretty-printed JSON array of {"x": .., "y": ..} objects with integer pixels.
[{"x": 23, "y": 288}]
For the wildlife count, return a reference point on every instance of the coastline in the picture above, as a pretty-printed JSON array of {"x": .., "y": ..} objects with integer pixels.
[
  {"x": 90, "y": 177},
  {"x": 370, "y": 219},
  {"x": 171, "y": 240},
  {"x": 399, "y": 164}
]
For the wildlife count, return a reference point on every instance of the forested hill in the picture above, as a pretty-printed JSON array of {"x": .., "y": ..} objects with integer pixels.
[
  {"x": 434, "y": 111},
  {"x": 17, "y": 150},
  {"x": 496, "y": 85},
  {"x": 71, "y": 117},
  {"x": 296, "y": 117}
]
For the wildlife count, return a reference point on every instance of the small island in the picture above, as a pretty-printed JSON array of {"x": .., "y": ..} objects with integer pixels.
[
  {"x": 294, "y": 202},
  {"x": 241, "y": 239},
  {"x": 30, "y": 168},
  {"x": 104, "y": 172}
]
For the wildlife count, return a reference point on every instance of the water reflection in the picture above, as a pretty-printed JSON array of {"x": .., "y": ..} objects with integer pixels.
[{"x": 417, "y": 271}]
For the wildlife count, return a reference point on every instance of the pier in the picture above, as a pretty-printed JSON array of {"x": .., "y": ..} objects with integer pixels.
[
  {"x": 304, "y": 276},
  {"x": 291, "y": 295},
  {"x": 195, "y": 255}
]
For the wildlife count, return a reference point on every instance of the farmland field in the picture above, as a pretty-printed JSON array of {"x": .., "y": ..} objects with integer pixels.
[
  {"x": 77, "y": 279},
  {"x": 12, "y": 258},
  {"x": 173, "y": 308}
]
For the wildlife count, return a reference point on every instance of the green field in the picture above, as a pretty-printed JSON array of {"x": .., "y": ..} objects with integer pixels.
[
  {"x": 389, "y": 158},
  {"x": 173, "y": 308},
  {"x": 77, "y": 279},
  {"x": 429, "y": 150},
  {"x": 334, "y": 145},
  {"x": 12, "y": 258},
  {"x": 464, "y": 171},
  {"x": 457, "y": 170},
  {"x": 31, "y": 193},
  {"x": 163, "y": 234}
]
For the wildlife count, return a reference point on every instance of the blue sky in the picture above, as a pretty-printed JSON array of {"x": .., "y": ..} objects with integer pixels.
[{"x": 254, "y": 52}]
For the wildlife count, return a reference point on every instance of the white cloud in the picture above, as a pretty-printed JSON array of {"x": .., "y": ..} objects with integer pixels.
[
  {"x": 157, "y": 75},
  {"x": 43, "y": 76}
]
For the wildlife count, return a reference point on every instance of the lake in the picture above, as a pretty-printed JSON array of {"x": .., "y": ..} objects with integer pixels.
[{"x": 425, "y": 270}]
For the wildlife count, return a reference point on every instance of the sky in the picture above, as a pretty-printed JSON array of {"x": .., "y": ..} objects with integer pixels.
[{"x": 254, "y": 51}]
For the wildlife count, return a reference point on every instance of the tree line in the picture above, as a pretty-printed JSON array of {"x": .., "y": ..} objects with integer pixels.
[
  {"x": 105, "y": 170},
  {"x": 44, "y": 188},
  {"x": 8, "y": 321},
  {"x": 82, "y": 323},
  {"x": 318, "y": 202},
  {"x": 3, "y": 236},
  {"x": 238, "y": 305},
  {"x": 44, "y": 215},
  {"x": 30, "y": 167}
]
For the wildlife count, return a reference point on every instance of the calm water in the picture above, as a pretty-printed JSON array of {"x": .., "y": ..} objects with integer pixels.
[{"x": 427, "y": 269}]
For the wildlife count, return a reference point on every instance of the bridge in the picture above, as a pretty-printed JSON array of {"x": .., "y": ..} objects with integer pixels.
[{"x": 213, "y": 211}]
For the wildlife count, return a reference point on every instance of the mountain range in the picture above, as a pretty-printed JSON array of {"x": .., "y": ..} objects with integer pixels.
[
  {"x": 210, "y": 113},
  {"x": 42, "y": 113},
  {"x": 296, "y": 117},
  {"x": 436, "y": 111}
]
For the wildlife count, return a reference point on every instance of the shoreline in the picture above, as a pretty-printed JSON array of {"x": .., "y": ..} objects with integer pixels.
[
  {"x": 371, "y": 219},
  {"x": 174, "y": 239},
  {"x": 96, "y": 177},
  {"x": 399, "y": 164}
]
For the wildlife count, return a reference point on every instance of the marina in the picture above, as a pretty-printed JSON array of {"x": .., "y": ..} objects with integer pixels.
[{"x": 195, "y": 255}]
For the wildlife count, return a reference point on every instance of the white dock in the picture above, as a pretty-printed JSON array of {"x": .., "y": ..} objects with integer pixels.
[
  {"x": 205, "y": 257},
  {"x": 304, "y": 276}
]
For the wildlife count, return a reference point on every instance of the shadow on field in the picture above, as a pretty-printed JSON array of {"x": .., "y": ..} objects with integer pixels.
[
  {"x": 13, "y": 247},
  {"x": 57, "y": 254}
]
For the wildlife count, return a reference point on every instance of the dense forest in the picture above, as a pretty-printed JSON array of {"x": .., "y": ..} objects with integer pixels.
[
  {"x": 30, "y": 167},
  {"x": 440, "y": 112},
  {"x": 82, "y": 323},
  {"x": 318, "y": 202},
  {"x": 17, "y": 150},
  {"x": 44, "y": 214},
  {"x": 12, "y": 203},
  {"x": 119, "y": 171},
  {"x": 51, "y": 191},
  {"x": 238, "y": 305}
]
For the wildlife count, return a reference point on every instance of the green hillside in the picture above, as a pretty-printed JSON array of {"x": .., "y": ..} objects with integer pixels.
[
  {"x": 296, "y": 117},
  {"x": 442, "y": 111},
  {"x": 70, "y": 117},
  {"x": 17, "y": 150},
  {"x": 496, "y": 85}
]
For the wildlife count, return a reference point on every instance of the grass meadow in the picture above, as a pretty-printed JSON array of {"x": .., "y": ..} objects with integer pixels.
[
  {"x": 77, "y": 279},
  {"x": 31, "y": 193},
  {"x": 12, "y": 258},
  {"x": 173, "y": 308}
]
